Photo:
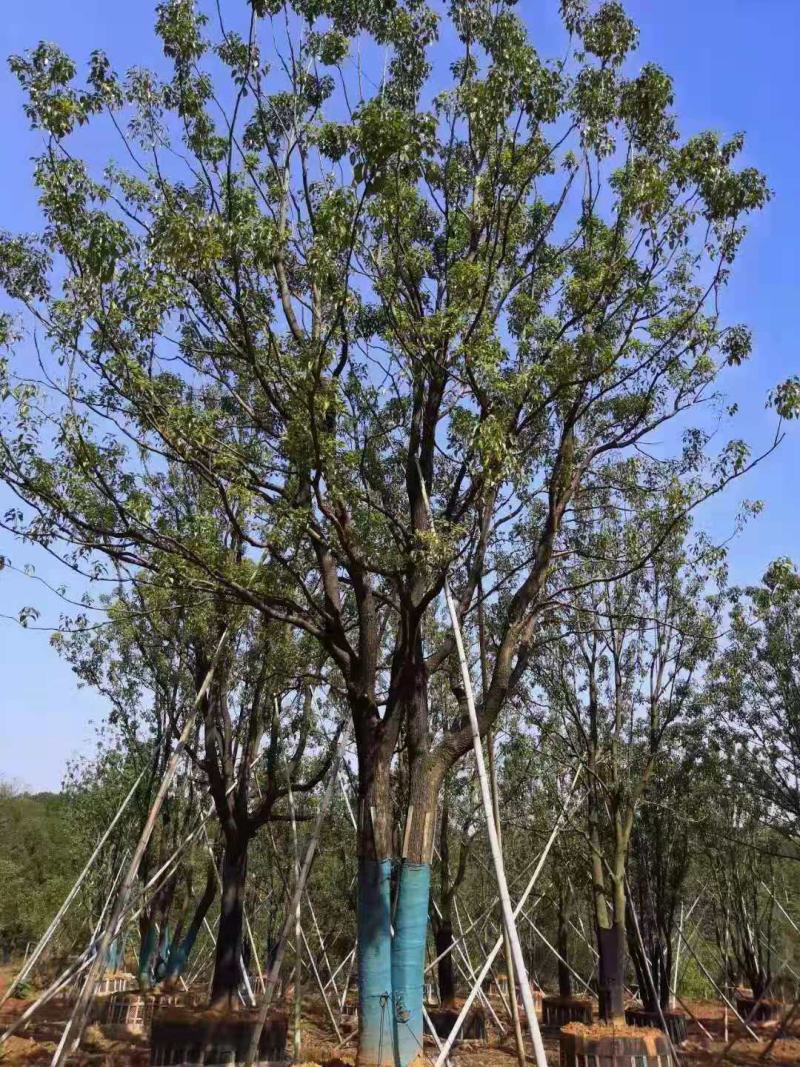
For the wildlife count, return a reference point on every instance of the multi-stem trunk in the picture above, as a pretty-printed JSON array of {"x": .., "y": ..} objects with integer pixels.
[{"x": 227, "y": 963}]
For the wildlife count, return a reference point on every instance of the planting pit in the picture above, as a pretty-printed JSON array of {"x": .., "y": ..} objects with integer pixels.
[
  {"x": 677, "y": 1022},
  {"x": 762, "y": 1011},
  {"x": 181, "y": 1035},
  {"x": 116, "y": 982},
  {"x": 559, "y": 1011},
  {"x": 602, "y": 1045},
  {"x": 134, "y": 1011},
  {"x": 473, "y": 1028}
]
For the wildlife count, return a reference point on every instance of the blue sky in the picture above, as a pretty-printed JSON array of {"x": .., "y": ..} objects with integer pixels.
[{"x": 735, "y": 66}]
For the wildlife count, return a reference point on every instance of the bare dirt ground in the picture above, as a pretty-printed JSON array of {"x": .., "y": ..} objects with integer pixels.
[{"x": 113, "y": 1046}]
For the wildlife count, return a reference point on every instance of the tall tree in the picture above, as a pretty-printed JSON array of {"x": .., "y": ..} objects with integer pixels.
[
  {"x": 621, "y": 681},
  {"x": 330, "y": 286},
  {"x": 754, "y": 693}
]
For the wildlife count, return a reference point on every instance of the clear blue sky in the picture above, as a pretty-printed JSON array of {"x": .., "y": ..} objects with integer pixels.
[{"x": 735, "y": 66}]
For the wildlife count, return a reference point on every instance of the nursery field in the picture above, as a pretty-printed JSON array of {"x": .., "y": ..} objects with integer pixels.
[
  {"x": 709, "y": 1040},
  {"x": 381, "y": 460}
]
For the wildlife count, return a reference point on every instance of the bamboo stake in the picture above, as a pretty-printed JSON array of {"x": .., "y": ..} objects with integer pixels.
[
  {"x": 298, "y": 925},
  {"x": 677, "y": 958},
  {"x": 509, "y": 957},
  {"x": 274, "y": 970},
  {"x": 51, "y": 929},
  {"x": 75, "y": 1027},
  {"x": 727, "y": 1002},
  {"x": 347, "y": 979},
  {"x": 321, "y": 987},
  {"x": 323, "y": 949},
  {"x": 469, "y": 975},
  {"x": 497, "y": 854},
  {"x": 498, "y": 944}
]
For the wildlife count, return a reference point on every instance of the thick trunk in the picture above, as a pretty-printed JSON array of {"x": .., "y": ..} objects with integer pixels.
[
  {"x": 227, "y": 964},
  {"x": 375, "y": 1029},
  {"x": 147, "y": 952},
  {"x": 445, "y": 972},
  {"x": 408, "y": 960},
  {"x": 162, "y": 955},
  {"x": 611, "y": 972}
]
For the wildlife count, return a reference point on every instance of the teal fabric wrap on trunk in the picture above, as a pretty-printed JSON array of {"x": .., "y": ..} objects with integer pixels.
[
  {"x": 376, "y": 1038},
  {"x": 408, "y": 959},
  {"x": 179, "y": 954},
  {"x": 146, "y": 954}
]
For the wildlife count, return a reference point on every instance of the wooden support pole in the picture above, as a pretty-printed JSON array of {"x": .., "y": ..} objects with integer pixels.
[
  {"x": 499, "y": 943},
  {"x": 486, "y": 797}
]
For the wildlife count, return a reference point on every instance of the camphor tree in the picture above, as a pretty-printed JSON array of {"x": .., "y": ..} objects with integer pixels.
[
  {"x": 657, "y": 873},
  {"x": 140, "y": 676},
  {"x": 329, "y": 278},
  {"x": 754, "y": 688},
  {"x": 259, "y": 700},
  {"x": 621, "y": 681}
]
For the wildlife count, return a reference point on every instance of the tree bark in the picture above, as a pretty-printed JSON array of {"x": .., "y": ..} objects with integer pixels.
[
  {"x": 611, "y": 972},
  {"x": 182, "y": 949},
  {"x": 227, "y": 964},
  {"x": 445, "y": 972},
  {"x": 375, "y": 1029}
]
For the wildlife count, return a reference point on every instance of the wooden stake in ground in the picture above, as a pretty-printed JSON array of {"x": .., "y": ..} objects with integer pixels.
[
  {"x": 509, "y": 958},
  {"x": 297, "y": 1037},
  {"x": 486, "y": 797},
  {"x": 498, "y": 944}
]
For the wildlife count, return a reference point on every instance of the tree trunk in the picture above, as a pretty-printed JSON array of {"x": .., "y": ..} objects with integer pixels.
[
  {"x": 562, "y": 944},
  {"x": 611, "y": 972},
  {"x": 446, "y": 974},
  {"x": 147, "y": 951},
  {"x": 182, "y": 949},
  {"x": 375, "y": 1028},
  {"x": 227, "y": 964}
]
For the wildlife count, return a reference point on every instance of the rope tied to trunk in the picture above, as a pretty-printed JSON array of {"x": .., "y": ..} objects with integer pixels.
[{"x": 384, "y": 1000}]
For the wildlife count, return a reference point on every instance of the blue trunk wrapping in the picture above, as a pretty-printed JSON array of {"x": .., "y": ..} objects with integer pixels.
[
  {"x": 180, "y": 952},
  {"x": 146, "y": 954},
  {"x": 113, "y": 955},
  {"x": 376, "y": 1039},
  {"x": 408, "y": 959},
  {"x": 162, "y": 955}
]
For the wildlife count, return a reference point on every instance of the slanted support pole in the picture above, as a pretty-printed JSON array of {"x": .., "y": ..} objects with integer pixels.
[
  {"x": 30, "y": 961},
  {"x": 275, "y": 968},
  {"x": 486, "y": 797},
  {"x": 499, "y": 942}
]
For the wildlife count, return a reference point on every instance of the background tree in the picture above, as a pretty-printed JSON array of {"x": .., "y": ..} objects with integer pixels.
[
  {"x": 621, "y": 680},
  {"x": 754, "y": 689}
]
